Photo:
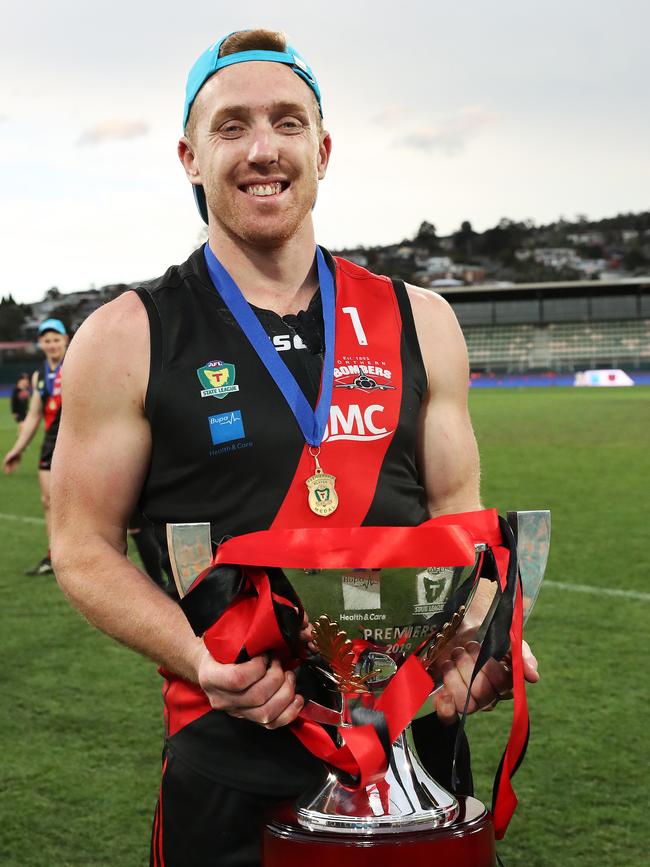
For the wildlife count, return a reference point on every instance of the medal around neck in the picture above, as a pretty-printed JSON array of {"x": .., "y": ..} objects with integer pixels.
[{"x": 323, "y": 499}]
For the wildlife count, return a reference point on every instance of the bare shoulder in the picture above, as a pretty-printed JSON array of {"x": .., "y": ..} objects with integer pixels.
[
  {"x": 441, "y": 340},
  {"x": 113, "y": 342},
  {"x": 430, "y": 310},
  {"x": 122, "y": 320}
]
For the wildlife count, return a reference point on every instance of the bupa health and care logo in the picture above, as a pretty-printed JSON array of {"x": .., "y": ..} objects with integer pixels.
[{"x": 226, "y": 426}]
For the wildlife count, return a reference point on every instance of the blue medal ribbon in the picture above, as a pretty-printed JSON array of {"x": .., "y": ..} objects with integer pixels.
[{"x": 312, "y": 422}]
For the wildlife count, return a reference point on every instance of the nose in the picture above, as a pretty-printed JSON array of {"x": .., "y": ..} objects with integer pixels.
[{"x": 263, "y": 147}]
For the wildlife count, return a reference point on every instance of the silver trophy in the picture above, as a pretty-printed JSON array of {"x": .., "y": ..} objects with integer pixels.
[{"x": 366, "y": 624}]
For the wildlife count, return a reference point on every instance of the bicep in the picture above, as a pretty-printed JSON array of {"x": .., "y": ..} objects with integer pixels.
[
  {"x": 447, "y": 451},
  {"x": 448, "y": 457},
  {"x": 103, "y": 445}
]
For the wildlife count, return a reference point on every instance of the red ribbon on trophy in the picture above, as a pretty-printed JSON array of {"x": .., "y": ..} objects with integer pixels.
[{"x": 263, "y": 611}]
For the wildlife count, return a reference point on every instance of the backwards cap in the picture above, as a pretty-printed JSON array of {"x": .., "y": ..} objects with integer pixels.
[
  {"x": 210, "y": 62},
  {"x": 52, "y": 325}
]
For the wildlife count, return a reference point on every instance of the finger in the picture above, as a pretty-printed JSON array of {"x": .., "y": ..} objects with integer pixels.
[
  {"x": 257, "y": 695},
  {"x": 500, "y": 676},
  {"x": 530, "y": 663},
  {"x": 455, "y": 685},
  {"x": 280, "y": 707},
  {"x": 487, "y": 685},
  {"x": 445, "y": 708},
  {"x": 223, "y": 683}
]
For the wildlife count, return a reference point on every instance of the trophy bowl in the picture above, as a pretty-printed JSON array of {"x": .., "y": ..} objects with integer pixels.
[
  {"x": 386, "y": 605},
  {"x": 366, "y": 624}
]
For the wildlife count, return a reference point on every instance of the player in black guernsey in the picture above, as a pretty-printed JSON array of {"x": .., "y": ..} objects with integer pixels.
[
  {"x": 20, "y": 396},
  {"x": 202, "y": 433}
]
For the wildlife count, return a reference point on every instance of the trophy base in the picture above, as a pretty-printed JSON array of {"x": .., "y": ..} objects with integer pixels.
[{"x": 467, "y": 842}]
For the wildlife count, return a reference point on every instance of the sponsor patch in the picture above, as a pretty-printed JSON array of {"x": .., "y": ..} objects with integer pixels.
[
  {"x": 226, "y": 426},
  {"x": 361, "y": 590},
  {"x": 217, "y": 379},
  {"x": 356, "y": 423}
]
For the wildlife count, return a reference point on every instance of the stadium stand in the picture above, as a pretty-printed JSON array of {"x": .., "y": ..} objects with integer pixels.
[{"x": 560, "y": 327}]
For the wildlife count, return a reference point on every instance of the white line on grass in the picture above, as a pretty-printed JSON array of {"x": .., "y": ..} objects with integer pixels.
[
  {"x": 599, "y": 591},
  {"x": 22, "y": 518},
  {"x": 560, "y": 585}
]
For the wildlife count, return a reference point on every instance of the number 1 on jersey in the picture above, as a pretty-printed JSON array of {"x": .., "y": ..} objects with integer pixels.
[{"x": 353, "y": 313}]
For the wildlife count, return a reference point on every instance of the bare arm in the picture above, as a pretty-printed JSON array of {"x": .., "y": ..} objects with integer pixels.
[
  {"x": 101, "y": 457},
  {"x": 100, "y": 461},
  {"x": 29, "y": 428},
  {"x": 447, "y": 454},
  {"x": 449, "y": 464}
]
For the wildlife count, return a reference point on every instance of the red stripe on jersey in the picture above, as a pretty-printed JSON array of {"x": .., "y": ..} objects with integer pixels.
[{"x": 366, "y": 401}]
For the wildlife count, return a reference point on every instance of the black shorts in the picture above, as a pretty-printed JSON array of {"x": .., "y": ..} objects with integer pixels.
[
  {"x": 200, "y": 823},
  {"x": 47, "y": 450}
]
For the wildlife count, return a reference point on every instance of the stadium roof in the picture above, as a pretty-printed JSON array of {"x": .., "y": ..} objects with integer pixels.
[{"x": 597, "y": 286}]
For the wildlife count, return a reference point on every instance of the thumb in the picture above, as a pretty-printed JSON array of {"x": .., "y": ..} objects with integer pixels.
[{"x": 530, "y": 663}]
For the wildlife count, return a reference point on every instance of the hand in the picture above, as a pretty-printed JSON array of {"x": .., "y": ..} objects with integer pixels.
[
  {"x": 491, "y": 685},
  {"x": 255, "y": 690},
  {"x": 11, "y": 461}
]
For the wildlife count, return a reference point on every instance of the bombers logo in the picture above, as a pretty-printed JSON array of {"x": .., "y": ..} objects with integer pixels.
[
  {"x": 362, "y": 377},
  {"x": 218, "y": 379},
  {"x": 364, "y": 383},
  {"x": 355, "y": 424}
]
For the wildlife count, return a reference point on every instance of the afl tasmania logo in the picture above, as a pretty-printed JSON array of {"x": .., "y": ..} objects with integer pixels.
[{"x": 218, "y": 379}]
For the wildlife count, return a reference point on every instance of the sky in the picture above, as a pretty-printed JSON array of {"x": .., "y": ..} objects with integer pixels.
[{"x": 465, "y": 110}]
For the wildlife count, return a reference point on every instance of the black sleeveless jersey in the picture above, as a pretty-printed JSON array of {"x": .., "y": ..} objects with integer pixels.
[{"x": 227, "y": 449}]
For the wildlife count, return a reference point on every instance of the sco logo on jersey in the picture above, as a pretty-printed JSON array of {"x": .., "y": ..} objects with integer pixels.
[
  {"x": 356, "y": 423},
  {"x": 218, "y": 379}
]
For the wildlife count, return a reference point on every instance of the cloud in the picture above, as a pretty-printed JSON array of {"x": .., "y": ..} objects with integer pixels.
[
  {"x": 451, "y": 134},
  {"x": 113, "y": 130},
  {"x": 391, "y": 114}
]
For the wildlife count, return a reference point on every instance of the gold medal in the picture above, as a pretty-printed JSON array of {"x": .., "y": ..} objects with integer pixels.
[{"x": 323, "y": 499}]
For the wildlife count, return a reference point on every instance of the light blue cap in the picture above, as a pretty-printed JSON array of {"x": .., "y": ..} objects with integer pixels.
[
  {"x": 52, "y": 325},
  {"x": 210, "y": 62}
]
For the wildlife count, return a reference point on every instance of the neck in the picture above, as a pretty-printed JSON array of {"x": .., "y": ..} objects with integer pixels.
[
  {"x": 282, "y": 278},
  {"x": 54, "y": 362}
]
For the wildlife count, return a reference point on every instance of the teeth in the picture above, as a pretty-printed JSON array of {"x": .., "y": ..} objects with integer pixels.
[{"x": 264, "y": 189}]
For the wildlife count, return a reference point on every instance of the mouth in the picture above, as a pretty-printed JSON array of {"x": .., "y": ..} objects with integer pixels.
[{"x": 265, "y": 190}]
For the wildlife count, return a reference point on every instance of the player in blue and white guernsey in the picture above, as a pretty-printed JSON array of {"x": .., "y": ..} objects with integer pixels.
[{"x": 195, "y": 425}]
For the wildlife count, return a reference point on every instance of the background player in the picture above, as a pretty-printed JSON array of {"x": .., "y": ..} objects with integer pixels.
[
  {"x": 20, "y": 396},
  {"x": 45, "y": 404}
]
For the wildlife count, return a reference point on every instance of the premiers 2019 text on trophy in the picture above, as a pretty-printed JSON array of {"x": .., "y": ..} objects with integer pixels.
[{"x": 387, "y": 606}]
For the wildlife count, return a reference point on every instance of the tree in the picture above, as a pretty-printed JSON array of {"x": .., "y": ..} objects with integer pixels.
[
  {"x": 426, "y": 237},
  {"x": 12, "y": 317},
  {"x": 464, "y": 241}
]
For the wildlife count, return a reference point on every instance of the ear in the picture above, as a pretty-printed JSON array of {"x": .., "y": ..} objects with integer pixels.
[
  {"x": 190, "y": 163},
  {"x": 324, "y": 151}
]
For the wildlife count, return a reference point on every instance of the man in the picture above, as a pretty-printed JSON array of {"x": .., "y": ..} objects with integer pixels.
[
  {"x": 197, "y": 424},
  {"x": 45, "y": 404},
  {"x": 20, "y": 396}
]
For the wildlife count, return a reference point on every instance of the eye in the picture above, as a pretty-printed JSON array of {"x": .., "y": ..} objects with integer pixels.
[
  {"x": 290, "y": 124},
  {"x": 231, "y": 129}
]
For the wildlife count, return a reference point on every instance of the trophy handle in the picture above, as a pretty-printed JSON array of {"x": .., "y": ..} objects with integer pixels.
[{"x": 532, "y": 531}]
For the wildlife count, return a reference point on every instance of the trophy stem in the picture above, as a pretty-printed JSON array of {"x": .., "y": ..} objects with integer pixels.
[{"x": 407, "y": 799}]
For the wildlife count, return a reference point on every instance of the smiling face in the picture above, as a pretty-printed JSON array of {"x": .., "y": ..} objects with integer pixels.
[
  {"x": 53, "y": 345},
  {"x": 256, "y": 146}
]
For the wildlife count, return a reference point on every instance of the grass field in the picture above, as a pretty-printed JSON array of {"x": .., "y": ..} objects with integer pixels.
[{"x": 80, "y": 716}]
